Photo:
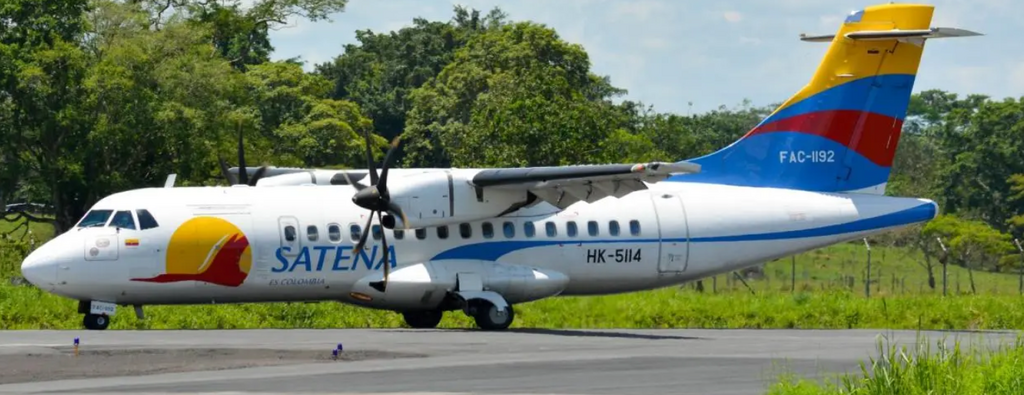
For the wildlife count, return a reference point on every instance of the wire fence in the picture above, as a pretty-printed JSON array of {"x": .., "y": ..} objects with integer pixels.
[{"x": 875, "y": 272}]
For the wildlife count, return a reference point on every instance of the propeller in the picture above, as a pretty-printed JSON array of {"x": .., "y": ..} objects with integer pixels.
[
  {"x": 243, "y": 175},
  {"x": 376, "y": 198}
]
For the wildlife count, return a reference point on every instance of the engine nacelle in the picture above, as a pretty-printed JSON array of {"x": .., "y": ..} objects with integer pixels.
[
  {"x": 444, "y": 197},
  {"x": 425, "y": 285},
  {"x": 314, "y": 177}
]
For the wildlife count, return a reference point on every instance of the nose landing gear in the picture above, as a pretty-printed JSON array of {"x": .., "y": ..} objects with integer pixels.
[
  {"x": 96, "y": 321},
  {"x": 97, "y": 313}
]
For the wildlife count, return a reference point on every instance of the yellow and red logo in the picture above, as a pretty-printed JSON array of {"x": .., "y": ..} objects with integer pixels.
[{"x": 206, "y": 249}]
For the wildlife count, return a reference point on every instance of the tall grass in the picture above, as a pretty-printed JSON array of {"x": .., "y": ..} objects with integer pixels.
[
  {"x": 923, "y": 369},
  {"x": 25, "y": 307}
]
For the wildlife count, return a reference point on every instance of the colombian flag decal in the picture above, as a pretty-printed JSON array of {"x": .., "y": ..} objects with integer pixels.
[{"x": 131, "y": 242}]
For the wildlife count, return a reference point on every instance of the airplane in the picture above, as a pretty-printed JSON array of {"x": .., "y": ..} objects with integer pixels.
[{"x": 482, "y": 240}]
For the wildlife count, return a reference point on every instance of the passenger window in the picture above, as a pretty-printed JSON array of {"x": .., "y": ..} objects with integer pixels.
[
  {"x": 528, "y": 229},
  {"x": 377, "y": 233},
  {"x": 146, "y": 220},
  {"x": 334, "y": 232},
  {"x": 95, "y": 218},
  {"x": 442, "y": 232},
  {"x": 289, "y": 233},
  {"x": 613, "y": 227},
  {"x": 592, "y": 228},
  {"x": 634, "y": 227},
  {"x": 123, "y": 219},
  {"x": 354, "y": 232},
  {"x": 549, "y": 227},
  {"x": 465, "y": 230},
  {"x": 421, "y": 233},
  {"x": 570, "y": 228},
  {"x": 311, "y": 233},
  {"x": 399, "y": 234},
  {"x": 487, "y": 229},
  {"x": 510, "y": 229}
]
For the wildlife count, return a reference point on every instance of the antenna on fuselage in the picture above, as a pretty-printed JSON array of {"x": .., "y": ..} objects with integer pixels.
[{"x": 169, "y": 183}]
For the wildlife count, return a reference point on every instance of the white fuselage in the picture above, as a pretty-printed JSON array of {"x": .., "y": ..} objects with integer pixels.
[{"x": 686, "y": 231}]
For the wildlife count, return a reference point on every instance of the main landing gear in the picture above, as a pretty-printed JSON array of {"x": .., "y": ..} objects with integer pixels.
[
  {"x": 488, "y": 309},
  {"x": 490, "y": 317}
]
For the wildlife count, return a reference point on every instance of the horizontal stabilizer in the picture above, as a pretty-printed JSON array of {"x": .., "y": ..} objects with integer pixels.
[{"x": 873, "y": 35}]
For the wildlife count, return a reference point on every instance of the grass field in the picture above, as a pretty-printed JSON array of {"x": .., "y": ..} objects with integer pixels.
[{"x": 924, "y": 368}]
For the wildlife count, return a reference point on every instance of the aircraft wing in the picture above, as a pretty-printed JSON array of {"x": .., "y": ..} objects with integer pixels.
[{"x": 564, "y": 185}]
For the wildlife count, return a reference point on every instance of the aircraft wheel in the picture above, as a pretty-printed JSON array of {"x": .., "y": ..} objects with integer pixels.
[
  {"x": 96, "y": 322},
  {"x": 489, "y": 318},
  {"x": 424, "y": 319}
]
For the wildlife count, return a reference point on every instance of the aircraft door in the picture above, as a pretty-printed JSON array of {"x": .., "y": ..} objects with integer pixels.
[
  {"x": 673, "y": 232},
  {"x": 288, "y": 227}
]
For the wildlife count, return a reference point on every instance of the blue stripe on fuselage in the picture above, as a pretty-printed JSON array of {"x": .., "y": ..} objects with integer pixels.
[{"x": 493, "y": 250}]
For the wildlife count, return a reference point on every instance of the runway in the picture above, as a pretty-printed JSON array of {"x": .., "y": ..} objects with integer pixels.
[{"x": 398, "y": 361}]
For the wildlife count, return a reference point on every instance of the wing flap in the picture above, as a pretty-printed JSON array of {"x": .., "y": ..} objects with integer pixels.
[{"x": 564, "y": 185}]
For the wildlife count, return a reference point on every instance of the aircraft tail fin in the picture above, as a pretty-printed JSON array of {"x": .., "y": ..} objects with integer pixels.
[{"x": 840, "y": 132}]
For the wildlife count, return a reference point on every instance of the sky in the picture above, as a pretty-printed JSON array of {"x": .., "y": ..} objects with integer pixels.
[{"x": 694, "y": 56}]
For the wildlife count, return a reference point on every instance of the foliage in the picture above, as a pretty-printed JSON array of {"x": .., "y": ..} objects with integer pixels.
[
  {"x": 970, "y": 243},
  {"x": 942, "y": 368}
]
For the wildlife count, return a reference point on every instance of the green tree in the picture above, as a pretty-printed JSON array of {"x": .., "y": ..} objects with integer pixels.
[
  {"x": 300, "y": 125},
  {"x": 514, "y": 96},
  {"x": 381, "y": 70},
  {"x": 972, "y": 244},
  {"x": 42, "y": 125}
]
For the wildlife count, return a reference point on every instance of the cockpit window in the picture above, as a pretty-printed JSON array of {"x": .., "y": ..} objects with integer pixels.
[
  {"x": 123, "y": 219},
  {"x": 95, "y": 218},
  {"x": 146, "y": 220}
]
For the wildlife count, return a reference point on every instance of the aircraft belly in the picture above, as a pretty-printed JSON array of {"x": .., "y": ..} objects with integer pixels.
[{"x": 424, "y": 285}]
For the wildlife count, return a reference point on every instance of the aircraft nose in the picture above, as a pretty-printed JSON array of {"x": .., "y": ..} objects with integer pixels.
[{"x": 39, "y": 270}]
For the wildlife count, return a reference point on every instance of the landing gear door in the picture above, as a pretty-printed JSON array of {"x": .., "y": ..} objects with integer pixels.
[
  {"x": 673, "y": 231},
  {"x": 102, "y": 246}
]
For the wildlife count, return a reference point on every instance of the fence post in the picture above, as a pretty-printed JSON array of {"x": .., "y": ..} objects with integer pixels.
[
  {"x": 1020, "y": 269},
  {"x": 867, "y": 278},
  {"x": 792, "y": 286},
  {"x": 944, "y": 259}
]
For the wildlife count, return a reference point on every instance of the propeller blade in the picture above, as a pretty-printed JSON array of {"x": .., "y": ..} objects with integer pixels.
[
  {"x": 366, "y": 232},
  {"x": 357, "y": 185},
  {"x": 369, "y": 158},
  {"x": 227, "y": 174},
  {"x": 383, "y": 285},
  {"x": 243, "y": 174},
  {"x": 383, "y": 186},
  {"x": 256, "y": 176}
]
